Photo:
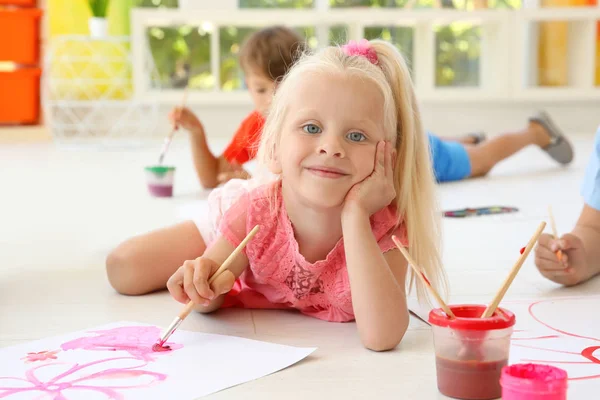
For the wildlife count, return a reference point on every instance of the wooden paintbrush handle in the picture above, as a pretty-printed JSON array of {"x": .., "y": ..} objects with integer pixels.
[
  {"x": 190, "y": 305},
  {"x": 554, "y": 231},
  {"x": 489, "y": 311},
  {"x": 186, "y": 310},
  {"x": 421, "y": 276},
  {"x": 175, "y": 127}
]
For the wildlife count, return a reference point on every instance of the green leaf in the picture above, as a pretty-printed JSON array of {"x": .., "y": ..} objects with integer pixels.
[{"x": 99, "y": 7}]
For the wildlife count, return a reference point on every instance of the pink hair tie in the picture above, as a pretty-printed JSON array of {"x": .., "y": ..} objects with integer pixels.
[{"x": 362, "y": 48}]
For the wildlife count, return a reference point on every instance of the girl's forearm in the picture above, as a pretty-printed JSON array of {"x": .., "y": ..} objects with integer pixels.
[{"x": 378, "y": 300}]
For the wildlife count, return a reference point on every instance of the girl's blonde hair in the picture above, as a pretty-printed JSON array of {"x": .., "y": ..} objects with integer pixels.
[{"x": 416, "y": 199}]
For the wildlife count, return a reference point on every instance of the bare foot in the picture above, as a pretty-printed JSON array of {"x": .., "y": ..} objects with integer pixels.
[{"x": 542, "y": 136}]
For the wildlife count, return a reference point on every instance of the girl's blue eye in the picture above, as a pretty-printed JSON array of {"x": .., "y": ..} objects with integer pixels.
[
  {"x": 311, "y": 128},
  {"x": 356, "y": 136}
]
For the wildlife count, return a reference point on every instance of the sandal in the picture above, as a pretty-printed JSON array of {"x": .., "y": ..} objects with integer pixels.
[{"x": 560, "y": 148}]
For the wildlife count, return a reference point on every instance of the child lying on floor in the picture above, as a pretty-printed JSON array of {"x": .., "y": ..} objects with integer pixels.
[
  {"x": 453, "y": 161},
  {"x": 580, "y": 260},
  {"x": 344, "y": 139}
]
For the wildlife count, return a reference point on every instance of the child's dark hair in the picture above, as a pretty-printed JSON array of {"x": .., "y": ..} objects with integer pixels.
[{"x": 271, "y": 51}]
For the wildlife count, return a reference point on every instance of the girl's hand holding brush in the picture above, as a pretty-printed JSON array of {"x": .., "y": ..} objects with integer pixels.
[
  {"x": 203, "y": 280},
  {"x": 190, "y": 282}
]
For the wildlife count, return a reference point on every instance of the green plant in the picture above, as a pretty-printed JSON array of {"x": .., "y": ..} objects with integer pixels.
[{"x": 99, "y": 8}]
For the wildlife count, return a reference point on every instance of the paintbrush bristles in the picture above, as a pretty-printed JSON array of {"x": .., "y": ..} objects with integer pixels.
[
  {"x": 422, "y": 277},
  {"x": 489, "y": 311},
  {"x": 187, "y": 310}
]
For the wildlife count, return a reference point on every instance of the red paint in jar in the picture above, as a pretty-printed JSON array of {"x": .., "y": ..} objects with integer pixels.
[{"x": 469, "y": 380}]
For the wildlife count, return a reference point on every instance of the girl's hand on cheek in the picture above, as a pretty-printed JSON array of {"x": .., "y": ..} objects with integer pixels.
[{"x": 377, "y": 190}]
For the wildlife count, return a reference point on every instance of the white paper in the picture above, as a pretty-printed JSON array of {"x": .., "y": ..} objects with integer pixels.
[
  {"x": 115, "y": 361},
  {"x": 563, "y": 332}
]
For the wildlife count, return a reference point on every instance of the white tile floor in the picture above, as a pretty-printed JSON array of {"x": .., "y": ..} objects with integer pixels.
[{"x": 63, "y": 209}]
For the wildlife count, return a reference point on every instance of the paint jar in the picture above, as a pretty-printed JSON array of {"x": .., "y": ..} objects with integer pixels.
[
  {"x": 471, "y": 351},
  {"x": 160, "y": 180},
  {"x": 533, "y": 382}
]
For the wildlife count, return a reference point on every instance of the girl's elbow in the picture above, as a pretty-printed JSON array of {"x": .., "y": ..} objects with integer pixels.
[
  {"x": 383, "y": 342},
  {"x": 380, "y": 346}
]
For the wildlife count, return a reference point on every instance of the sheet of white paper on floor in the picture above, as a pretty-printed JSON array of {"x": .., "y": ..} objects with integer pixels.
[{"x": 85, "y": 364}]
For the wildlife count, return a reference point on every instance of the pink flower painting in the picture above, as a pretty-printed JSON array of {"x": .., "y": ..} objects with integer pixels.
[
  {"x": 40, "y": 356},
  {"x": 105, "y": 379},
  {"x": 135, "y": 340}
]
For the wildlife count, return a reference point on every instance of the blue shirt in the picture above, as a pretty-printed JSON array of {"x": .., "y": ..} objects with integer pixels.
[{"x": 590, "y": 189}]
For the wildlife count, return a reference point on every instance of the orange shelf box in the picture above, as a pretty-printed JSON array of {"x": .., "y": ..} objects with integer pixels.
[
  {"x": 21, "y": 105},
  {"x": 19, "y": 30},
  {"x": 20, "y": 3}
]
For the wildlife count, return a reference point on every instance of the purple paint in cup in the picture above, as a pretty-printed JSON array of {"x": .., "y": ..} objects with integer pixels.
[{"x": 160, "y": 180}]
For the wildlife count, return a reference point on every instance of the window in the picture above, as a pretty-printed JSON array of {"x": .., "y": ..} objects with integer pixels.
[
  {"x": 232, "y": 38},
  {"x": 457, "y": 51},
  {"x": 182, "y": 53},
  {"x": 458, "y": 4},
  {"x": 366, "y": 3},
  {"x": 400, "y": 36},
  {"x": 157, "y": 3},
  {"x": 276, "y": 3},
  {"x": 338, "y": 35}
]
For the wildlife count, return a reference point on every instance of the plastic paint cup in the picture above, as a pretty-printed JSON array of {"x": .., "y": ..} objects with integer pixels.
[
  {"x": 533, "y": 382},
  {"x": 160, "y": 180},
  {"x": 470, "y": 351}
]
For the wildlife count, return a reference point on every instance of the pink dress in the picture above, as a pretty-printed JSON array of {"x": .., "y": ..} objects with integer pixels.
[{"x": 278, "y": 276}]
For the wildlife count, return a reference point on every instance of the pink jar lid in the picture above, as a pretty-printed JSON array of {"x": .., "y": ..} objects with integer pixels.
[{"x": 534, "y": 378}]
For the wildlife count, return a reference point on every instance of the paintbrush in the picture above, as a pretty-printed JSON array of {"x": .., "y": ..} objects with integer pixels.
[
  {"x": 159, "y": 346},
  {"x": 489, "y": 311},
  {"x": 554, "y": 231},
  {"x": 423, "y": 278},
  {"x": 169, "y": 138}
]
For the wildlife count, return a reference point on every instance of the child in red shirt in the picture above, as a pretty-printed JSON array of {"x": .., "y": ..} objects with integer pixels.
[
  {"x": 265, "y": 58},
  {"x": 245, "y": 142}
]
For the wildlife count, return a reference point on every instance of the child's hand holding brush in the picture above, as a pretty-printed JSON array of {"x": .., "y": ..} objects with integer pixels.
[
  {"x": 182, "y": 117},
  {"x": 573, "y": 261},
  {"x": 563, "y": 259}
]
